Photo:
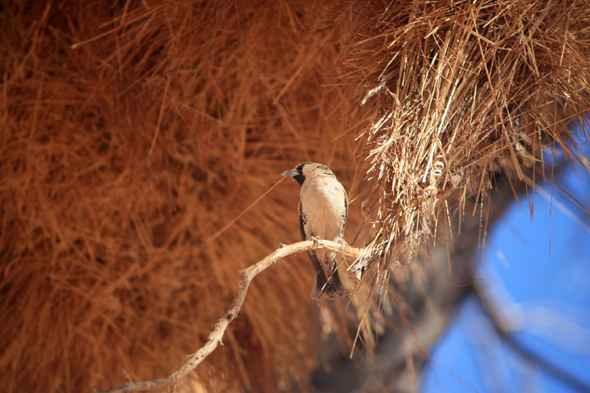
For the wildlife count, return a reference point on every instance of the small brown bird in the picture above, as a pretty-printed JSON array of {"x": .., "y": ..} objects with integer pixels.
[{"x": 323, "y": 208}]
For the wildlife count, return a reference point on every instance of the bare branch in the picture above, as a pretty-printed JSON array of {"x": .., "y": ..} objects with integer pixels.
[
  {"x": 214, "y": 339},
  {"x": 562, "y": 374}
]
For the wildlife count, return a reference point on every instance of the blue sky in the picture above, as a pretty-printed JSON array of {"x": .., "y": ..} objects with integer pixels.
[{"x": 537, "y": 269}]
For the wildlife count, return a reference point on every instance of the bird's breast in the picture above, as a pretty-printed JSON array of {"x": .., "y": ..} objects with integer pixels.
[{"x": 323, "y": 202}]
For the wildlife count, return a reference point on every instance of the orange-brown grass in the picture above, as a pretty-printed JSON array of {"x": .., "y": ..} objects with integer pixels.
[
  {"x": 132, "y": 132},
  {"x": 117, "y": 167}
]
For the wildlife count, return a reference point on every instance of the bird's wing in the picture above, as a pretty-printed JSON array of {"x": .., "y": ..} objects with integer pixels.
[
  {"x": 317, "y": 266},
  {"x": 302, "y": 222},
  {"x": 344, "y": 212}
]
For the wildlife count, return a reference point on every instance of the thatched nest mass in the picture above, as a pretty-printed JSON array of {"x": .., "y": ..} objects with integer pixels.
[{"x": 133, "y": 131}]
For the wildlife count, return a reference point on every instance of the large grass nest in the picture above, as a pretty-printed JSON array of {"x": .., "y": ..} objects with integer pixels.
[
  {"x": 133, "y": 132},
  {"x": 465, "y": 89}
]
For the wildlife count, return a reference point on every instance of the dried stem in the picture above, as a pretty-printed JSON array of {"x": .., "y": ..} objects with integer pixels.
[{"x": 214, "y": 339}]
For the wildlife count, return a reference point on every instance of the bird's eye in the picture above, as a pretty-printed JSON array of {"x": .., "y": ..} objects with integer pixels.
[{"x": 300, "y": 168}]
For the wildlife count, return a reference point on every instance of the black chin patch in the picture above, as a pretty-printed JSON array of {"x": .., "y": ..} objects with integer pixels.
[{"x": 299, "y": 177}]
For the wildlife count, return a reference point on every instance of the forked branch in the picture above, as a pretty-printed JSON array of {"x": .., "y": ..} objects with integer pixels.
[{"x": 214, "y": 339}]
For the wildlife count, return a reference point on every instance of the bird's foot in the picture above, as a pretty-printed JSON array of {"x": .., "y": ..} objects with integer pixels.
[{"x": 316, "y": 240}]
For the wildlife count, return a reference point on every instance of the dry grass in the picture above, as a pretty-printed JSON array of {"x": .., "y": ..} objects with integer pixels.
[
  {"x": 132, "y": 132},
  {"x": 462, "y": 90},
  {"x": 112, "y": 186}
]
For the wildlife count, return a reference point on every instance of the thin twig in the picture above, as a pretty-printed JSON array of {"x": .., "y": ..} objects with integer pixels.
[
  {"x": 382, "y": 82},
  {"x": 214, "y": 339}
]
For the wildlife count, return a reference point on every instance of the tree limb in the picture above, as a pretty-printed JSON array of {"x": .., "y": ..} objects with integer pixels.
[
  {"x": 214, "y": 339},
  {"x": 499, "y": 325}
]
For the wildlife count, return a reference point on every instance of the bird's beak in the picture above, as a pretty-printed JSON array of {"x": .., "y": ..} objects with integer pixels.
[{"x": 290, "y": 173}]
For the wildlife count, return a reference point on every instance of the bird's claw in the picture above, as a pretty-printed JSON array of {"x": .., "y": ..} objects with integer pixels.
[{"x": 316, "y": 240}]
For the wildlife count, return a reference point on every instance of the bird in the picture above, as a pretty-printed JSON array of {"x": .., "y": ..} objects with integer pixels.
[{"x": 323, "y": 210}]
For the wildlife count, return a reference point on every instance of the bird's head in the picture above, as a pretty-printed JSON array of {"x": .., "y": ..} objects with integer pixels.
[{"x": 306, "y": 170}]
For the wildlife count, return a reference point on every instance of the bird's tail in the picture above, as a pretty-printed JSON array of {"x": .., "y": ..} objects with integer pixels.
[{"x": 327, "y": 288}]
